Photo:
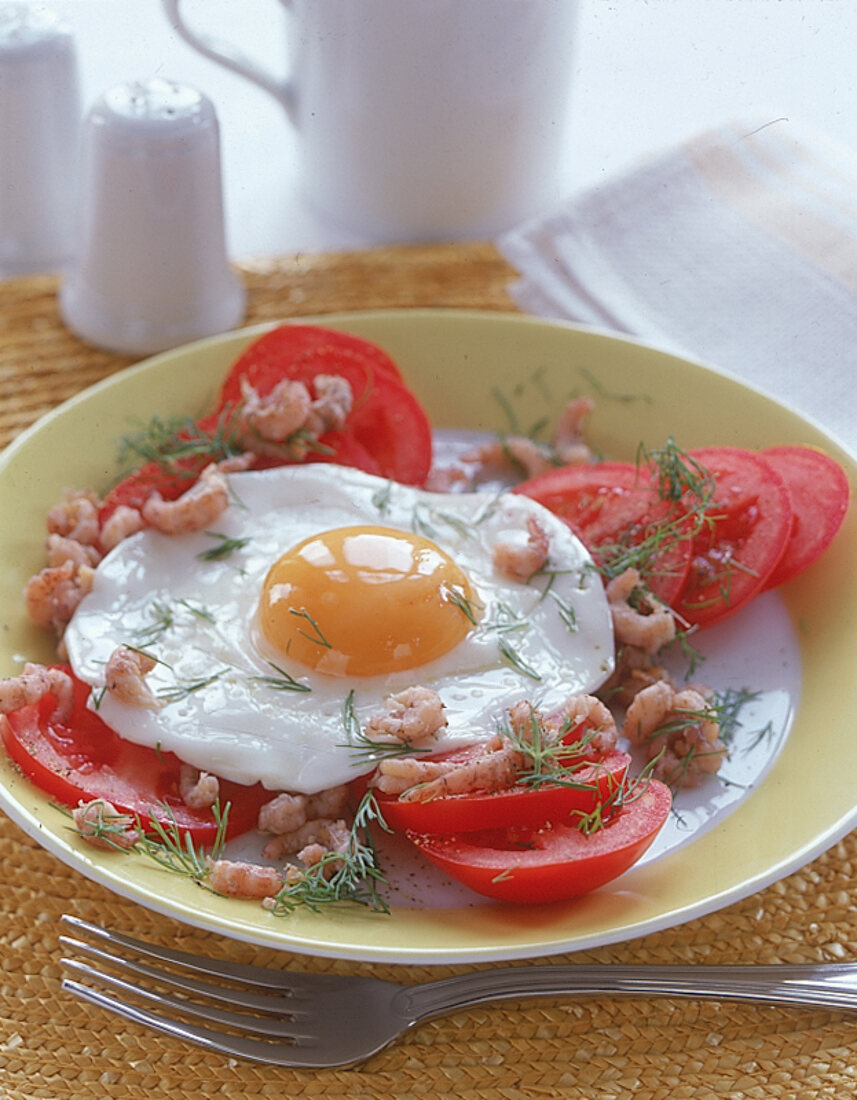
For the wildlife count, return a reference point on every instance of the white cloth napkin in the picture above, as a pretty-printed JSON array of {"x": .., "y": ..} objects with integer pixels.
[{"x": 737, "y": 249}]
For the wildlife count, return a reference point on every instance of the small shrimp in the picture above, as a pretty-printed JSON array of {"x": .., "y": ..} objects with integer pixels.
[
  {"x": 679, "y": 730},
  {"x": 568, "y": 439},
  {"x": 284, "y": 814},
  {"x": 520, "y": 562},
  {"x": 52, "y": 596},
  {"x": 32, "y": 685},
  {"x": 239, "y": 879},
  {"x": 634, "y": 670},
  {"x": 277, "y": 415},
  {"x": 61, "y": 549},
  {"x": 598, "y": 726},
  {"x": 194, "y": 510},
  {"x": 514, "y": 454},
  {"x": 199, "y": 790},
  {"x": 75, "y": 517},
  {"x": 446, "y": 479},
  {"x": 410, "y": 716},
  {"x": 123, "y": 522},
  {"x": 103, "y": 826},
  {"x": 332, "y": 404},
  {"x": 649, "y": 626},
  {"x": 414, "y": 780},
  {"x": 124, "y": 677},
  {"x": 322, "y": 830},
  {"x": 328, "y": 803}
]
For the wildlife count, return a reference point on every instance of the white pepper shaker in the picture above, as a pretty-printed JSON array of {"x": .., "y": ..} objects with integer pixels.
[
  {"x": 40, "y": 123},
  {"x": 152, "y": 269}
]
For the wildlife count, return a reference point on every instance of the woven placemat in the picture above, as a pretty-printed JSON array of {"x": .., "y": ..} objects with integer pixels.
[{"x": 55, "y": 1047}]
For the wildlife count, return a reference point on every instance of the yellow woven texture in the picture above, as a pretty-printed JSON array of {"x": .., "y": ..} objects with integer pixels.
[{"x": 55, "y": 1047}]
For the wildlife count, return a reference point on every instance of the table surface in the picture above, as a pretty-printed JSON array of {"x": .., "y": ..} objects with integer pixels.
[{"x": 647, "y": 74}]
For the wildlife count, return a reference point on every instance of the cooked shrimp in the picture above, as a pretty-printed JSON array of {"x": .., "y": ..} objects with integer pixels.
[
  {"x": 331, "y": 406},
  {"x": 52, "y": 596},
  {"x": 33, "y": 684},
  {"x": 446, "y": 479},
  {"x": 418, "y": 780},
  {"x": 284, "y": 814},
  {"x": 514, "y": 454},
  {"x": 75, "y": 517},
  {"x": 125, "y": 677},
  {"x": 322, "y": 830},
  {"x": 520, "y": 562},
  {"x": 596, "y": 722},
  {"x": 120, "y": 524},
  {"x": 410, "y": 716},
  {"x": 194, "y": 510},
  {"x": 568, "y": 439},
  {"x": 199, "y": 790},
  {"x": 103, "y": 826},
  {"x": 634, "y": 670},
  {"x": 239, "y": 879},
  {"x": 62, "y": 549},
  {"x": 649, "y": 625},
  {"x": 329, "y": 803},
  {"x": 680, "y": 729},
  {"x": 277, "y": 415}
]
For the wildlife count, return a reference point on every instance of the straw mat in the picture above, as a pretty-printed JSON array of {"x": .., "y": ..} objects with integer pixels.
[{"x": 54, "y": 1047}]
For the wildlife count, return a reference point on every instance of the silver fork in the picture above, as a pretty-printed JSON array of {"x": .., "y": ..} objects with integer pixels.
[{"x": 318, "y": 1021}]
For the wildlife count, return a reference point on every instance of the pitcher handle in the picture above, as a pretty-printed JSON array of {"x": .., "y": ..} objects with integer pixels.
[{"x": 223, "y": 53}]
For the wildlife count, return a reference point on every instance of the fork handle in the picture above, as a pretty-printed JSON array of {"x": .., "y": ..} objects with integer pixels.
[{"x": 828, "y": 985}]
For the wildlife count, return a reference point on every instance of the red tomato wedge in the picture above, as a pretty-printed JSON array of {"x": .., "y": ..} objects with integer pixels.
[
  {"x": 82, "y": 759},
  {"x": 819, "y": 492},
  {"x": 611, "y": 504},
  {"x": 745, "y": 534},
  {"x": 593, "y": 783},
  {"x": 552, "y": 862},
  {"x": 386, "y": 419}
]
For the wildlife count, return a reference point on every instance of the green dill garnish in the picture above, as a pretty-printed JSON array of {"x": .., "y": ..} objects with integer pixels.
[
  {"x": 316, "y": 636},
  {"x": 282, "y": 681},
  {"x": 175, "y": 850},
  {"x": 512, "y": 657},
  {"x": 177, "y": 445},
  {"x": 453, "y": 594},
  {"x": 566, "y": 613},
  {"x": 624, "y": 398},
  {"x": 224, "y": 549},
  {"x": 381, "y": 498},
  {"x": 350, "y": 876},
  {"x": 198, "y": 611},
  {"x": 185, "y": 688},
  {"x": 162, "y": 620}
]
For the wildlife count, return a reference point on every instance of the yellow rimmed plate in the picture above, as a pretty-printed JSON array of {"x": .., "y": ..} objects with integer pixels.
[{"x": 470, "y": 370}]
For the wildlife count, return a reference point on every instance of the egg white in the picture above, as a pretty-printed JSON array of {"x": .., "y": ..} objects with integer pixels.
[{"x": 224, "y": 709}]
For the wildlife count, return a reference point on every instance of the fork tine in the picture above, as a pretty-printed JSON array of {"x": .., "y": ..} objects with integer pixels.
[
  {"x": 245, "y": 973},
  {"x": 282, "y": 1027},
  {"x": 258, "y": 1050},
  {"x": 260, "y": 1002}
]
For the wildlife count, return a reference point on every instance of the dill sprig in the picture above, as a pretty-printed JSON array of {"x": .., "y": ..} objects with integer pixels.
[
  {"x": 162, "y": 620},
  {"x": 366, "y": 750},
  {"x": 177, "y": 444},
  {"x": 184, "y": 688},
  {"x": 226, "y": 546},
  {"x": 452, "y": 593},
  {"x": 316, "y": 636},
  {"x": 283, "y": 681},
  {"x": 350, "y": 876},
  {"x": 175, "y": 850},
  {"x": 513, "y": 658}
]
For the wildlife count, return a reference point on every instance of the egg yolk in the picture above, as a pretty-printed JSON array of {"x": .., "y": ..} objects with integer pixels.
[{"x": 365, "y": 601}]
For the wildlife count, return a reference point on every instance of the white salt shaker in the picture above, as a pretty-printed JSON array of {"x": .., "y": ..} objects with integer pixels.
[
  {"x": 152, "y": 269},
  {"x": 40, "y": 123}
]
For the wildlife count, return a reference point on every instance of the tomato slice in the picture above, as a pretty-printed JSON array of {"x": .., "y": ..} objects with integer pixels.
[
  {"x": 590, "y": 784},
  {"x": 386, "y": 419},
  {"x": 819, "y": 492},
  {"x": 552, "y": 862},
  {"x": 747, "y": 527},
  {"x": 610, "y": 504},
  {"x": 82, "y": 759}
]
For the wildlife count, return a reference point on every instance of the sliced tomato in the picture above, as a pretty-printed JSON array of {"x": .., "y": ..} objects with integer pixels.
[
  {"x": 552, "y": 862},
  {"x": 591, "y": 784},
  {"x": 386, "y": 419},
  {"x": 819, "y": 492},
  {"x": 743, "y": 538},
  {"x": 82, "y": 759},
  {"x": 615, "y": 504}
]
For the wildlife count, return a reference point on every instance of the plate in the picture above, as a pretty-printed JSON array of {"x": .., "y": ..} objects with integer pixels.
[{"x": 480, "y": 371}]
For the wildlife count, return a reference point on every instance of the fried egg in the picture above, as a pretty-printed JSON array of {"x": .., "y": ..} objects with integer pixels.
[{"x": 322, "y": 591}]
